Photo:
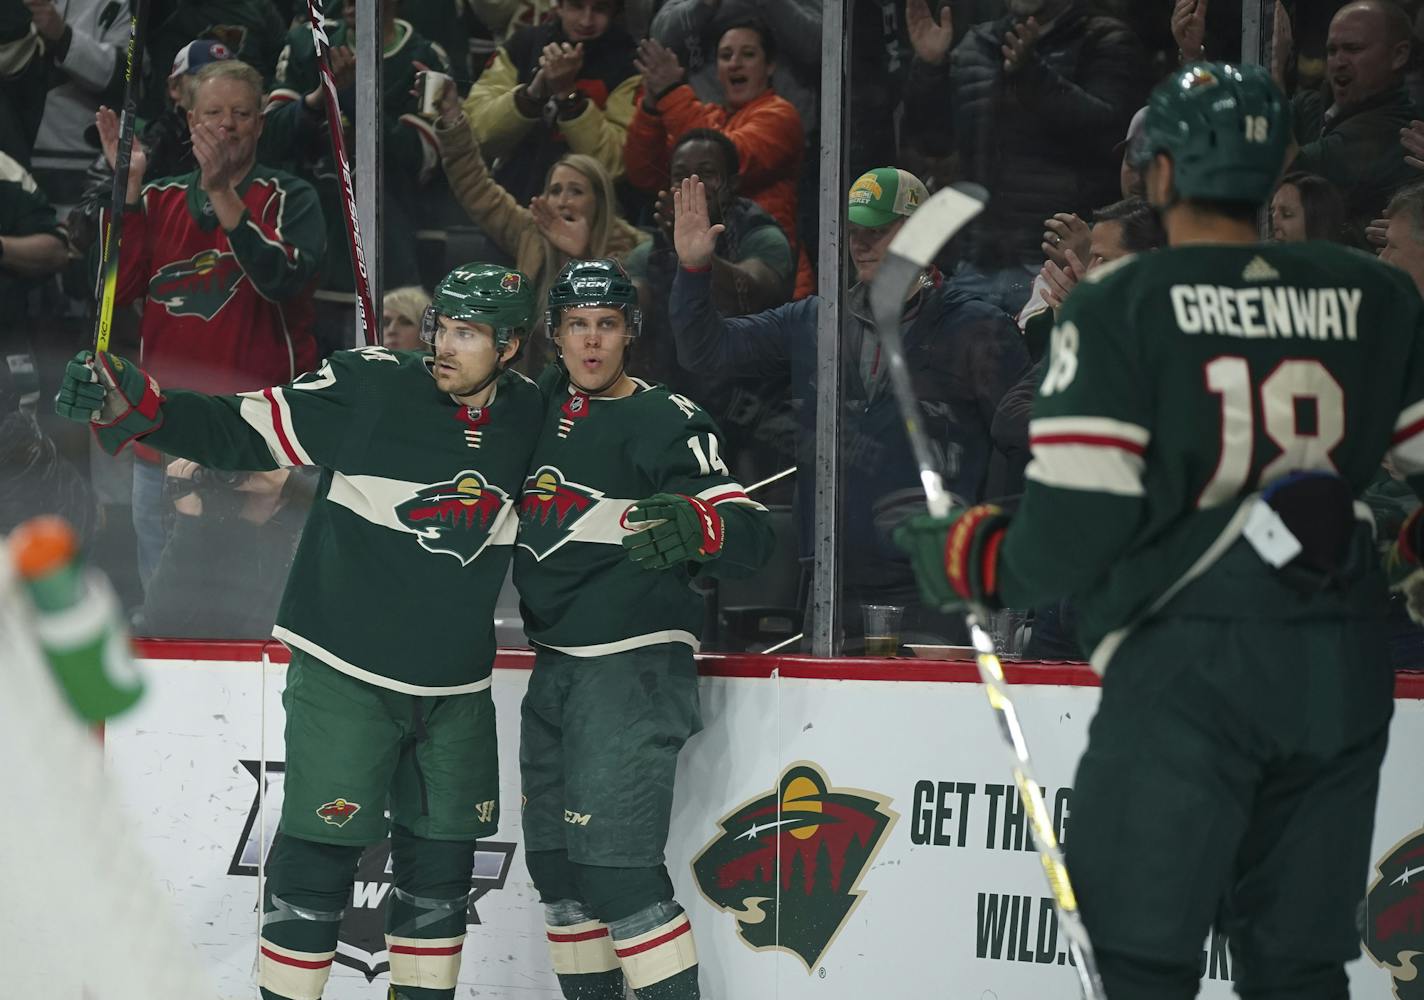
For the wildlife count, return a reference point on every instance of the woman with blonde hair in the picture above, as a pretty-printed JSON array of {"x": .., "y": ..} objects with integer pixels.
[
  {"x": 401, "y": 312},
  {"x": 575, "y": 217}
]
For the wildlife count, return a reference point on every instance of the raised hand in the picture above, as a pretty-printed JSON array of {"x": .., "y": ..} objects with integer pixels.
[
  {"x": 1412, "y": 139},
  {"x": 1063, "y": 233},
  {"x": 1189, "y": 28},
  {"x": 561, "y": 63},
  {"x": 930, "y": 38},
  {"x": 660, "y": 68},
  {"x": 49, "y": 22},
  {"x": 108, "y": 124},
  {"x": 692, "y": 234},
  {"x": 1018, "y": 45},
  {"x": 1376, "y": 234},
  {"x": 214, "y": 155},
  {"x": 447, "y": 102},
  {"x": 567, "y": 235},
  {"x": 343, "y": 67},
  {"x": 1059, "y": 281},
  {"x": 1282, "y": 44},
  {"x": 663, "y": 215}
]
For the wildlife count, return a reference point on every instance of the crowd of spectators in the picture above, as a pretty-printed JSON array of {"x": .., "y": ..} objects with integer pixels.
[{"x": 682, "y": 138}]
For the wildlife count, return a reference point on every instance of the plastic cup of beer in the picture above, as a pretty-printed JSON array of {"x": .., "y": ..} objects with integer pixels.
[{"x": 882, "y": 628}]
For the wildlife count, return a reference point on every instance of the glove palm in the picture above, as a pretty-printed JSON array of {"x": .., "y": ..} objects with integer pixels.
[{"x": 679, "y": 529}]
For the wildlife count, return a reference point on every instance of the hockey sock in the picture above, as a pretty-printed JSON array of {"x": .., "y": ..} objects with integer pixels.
[
  {"x": 582, "y": 952},
  {"x": 426, "y": 914},
  {"x": 656, "y": 950},
  {"x": 305, "y": 897}
]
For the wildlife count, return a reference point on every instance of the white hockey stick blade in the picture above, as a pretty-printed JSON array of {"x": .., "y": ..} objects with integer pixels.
[{"x": 932, "y": 225}]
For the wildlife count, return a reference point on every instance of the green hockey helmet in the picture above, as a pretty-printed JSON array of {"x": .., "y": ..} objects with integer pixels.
[
  {"x": 600, "y": 282},
  {"x": 496, "y": 296},
  {"x": 1226, "y": 128}
]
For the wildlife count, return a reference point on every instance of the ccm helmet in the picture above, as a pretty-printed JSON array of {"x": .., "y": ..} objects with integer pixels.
[{"x": 600, "y": 282}]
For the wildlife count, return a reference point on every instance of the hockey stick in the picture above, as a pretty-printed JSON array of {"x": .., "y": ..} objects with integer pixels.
[
  {"x": 123, "y": 157},
  {"x": 364, "y": 310},
  {"x": 915, "y": 245}
]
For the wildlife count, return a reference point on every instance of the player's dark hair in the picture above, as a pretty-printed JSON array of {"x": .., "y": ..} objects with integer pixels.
[
  {"x": 1323, "y": 205},
  {"x": 1409, "y": 202},
  {"x": 1141, "y": 225},
  {"x": 768, "y": 40},
  {"x": 731, "y": 162}
]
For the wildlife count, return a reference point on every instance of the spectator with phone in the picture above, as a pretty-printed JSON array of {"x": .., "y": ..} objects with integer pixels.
[{"x": 565, "y": 86}]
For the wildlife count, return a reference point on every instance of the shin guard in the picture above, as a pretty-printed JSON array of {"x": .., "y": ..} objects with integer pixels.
[
  {"x": 426, "y": 914},
  {"x": 582, "y": 953},
  {"x": 655, "y": 948},
  {"x": 304, "y": 902}
]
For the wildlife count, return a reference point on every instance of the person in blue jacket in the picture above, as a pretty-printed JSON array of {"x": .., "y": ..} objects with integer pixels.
[{"x": 963, "y": 355}]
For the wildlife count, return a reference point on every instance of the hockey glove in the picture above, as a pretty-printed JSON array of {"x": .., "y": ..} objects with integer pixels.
[
  {"x": 680, "y": 529},
  {"x": 955, "y": 557},
  {"x": 1401, "y": 565},
  {"x": 117, "y": 397}
]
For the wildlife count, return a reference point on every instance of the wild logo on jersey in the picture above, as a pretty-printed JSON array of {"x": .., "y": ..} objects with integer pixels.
[
  {"x": 454, "y": 518},
  {"x": 198, "y": 286},
  {"x": 821, "y": 839},
  {"x": 1393, "y": 915},
  {"x": 550, "y": 508}
]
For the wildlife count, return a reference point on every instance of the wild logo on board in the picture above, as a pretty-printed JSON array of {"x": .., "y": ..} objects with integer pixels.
[
  {"x": 1392, "y": 918},
  {"x": 199, "y": 286},
  {"x": 361, "y": 944},
  {"x": 550, "y": 509},
  {"x": 456, "y": 517},
  {"x": 821, "y": 840}
]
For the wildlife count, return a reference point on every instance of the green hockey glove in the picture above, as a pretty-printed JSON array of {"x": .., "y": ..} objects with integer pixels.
[
  {"x": 116, "y": 397},
  {"x": 680, "y": 529},
  {"x": 955, "y": 558},
  {"x": 1402, "y": 567}
]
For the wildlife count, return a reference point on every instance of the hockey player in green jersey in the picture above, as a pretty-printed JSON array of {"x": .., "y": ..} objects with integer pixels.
[
  {"x": 626, "y": 502},
  {"x": 422, "y": 458},
  {"x": 1209, "y": 414}
]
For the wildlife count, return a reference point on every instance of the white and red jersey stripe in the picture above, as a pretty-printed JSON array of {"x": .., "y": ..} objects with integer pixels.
[
  {"x": 269, "y": 414},
  {"x": 581, "y": 948},
  {"x": 427, "y": 963},
  {"x": 728, "y": 493},
  {"x": 1097, "y": 454},
  {"x": 1406, "y": 446},
  {"x": 659, "y": 954},
  {"x": 298, "y": 975}
]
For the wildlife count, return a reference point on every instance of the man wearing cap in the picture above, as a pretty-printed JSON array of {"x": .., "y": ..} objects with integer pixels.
[
  {"x": 962, "y": 353},
  {"x": 165, "y": 139}
]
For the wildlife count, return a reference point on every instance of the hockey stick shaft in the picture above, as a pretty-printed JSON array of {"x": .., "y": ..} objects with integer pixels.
[
  {"x": 118, "y": 192},
  {"x": 918, "y": 241},
  {"x": 364, "y": 306}
]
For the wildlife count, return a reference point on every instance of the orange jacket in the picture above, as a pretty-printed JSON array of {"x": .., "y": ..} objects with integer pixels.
[{"x": 769, "y": 140}]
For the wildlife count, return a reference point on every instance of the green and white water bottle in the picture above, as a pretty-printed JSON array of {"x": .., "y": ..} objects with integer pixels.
[{"x": 77, "y": 620}]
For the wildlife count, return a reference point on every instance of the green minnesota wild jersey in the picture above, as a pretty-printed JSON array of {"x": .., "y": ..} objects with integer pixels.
[
  {"x": 1182, "y": 381},
  {"x": 417, "y": 495},
  {"x": 580, "y": 593}
]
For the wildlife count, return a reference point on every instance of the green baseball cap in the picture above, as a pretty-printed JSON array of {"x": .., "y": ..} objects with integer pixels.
[{"x": 880, "y": 196}]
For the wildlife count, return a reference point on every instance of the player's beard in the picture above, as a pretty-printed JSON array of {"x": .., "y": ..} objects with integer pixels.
[{"x": 465, "y": 381}]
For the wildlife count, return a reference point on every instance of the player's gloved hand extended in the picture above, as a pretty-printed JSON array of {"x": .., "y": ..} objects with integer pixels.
[
  {"x": 955, "y": 557},
  {"x": 1402, "y": 566},
  {"x": 682, "y": 529},
  {"x": 118, "y": 398}
]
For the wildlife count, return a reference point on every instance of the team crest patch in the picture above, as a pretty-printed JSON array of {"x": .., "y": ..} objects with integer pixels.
[
  {"x": 338, "y": 812},
  {"x": 199, "y": 286},
  {"x": 820, "y": 839},
  {"x": 1392, "y": 918},
  {"x": 510, "y": 282},
  {"x": 550, "y": 508},
  {"x": 454, "y": 518}
]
